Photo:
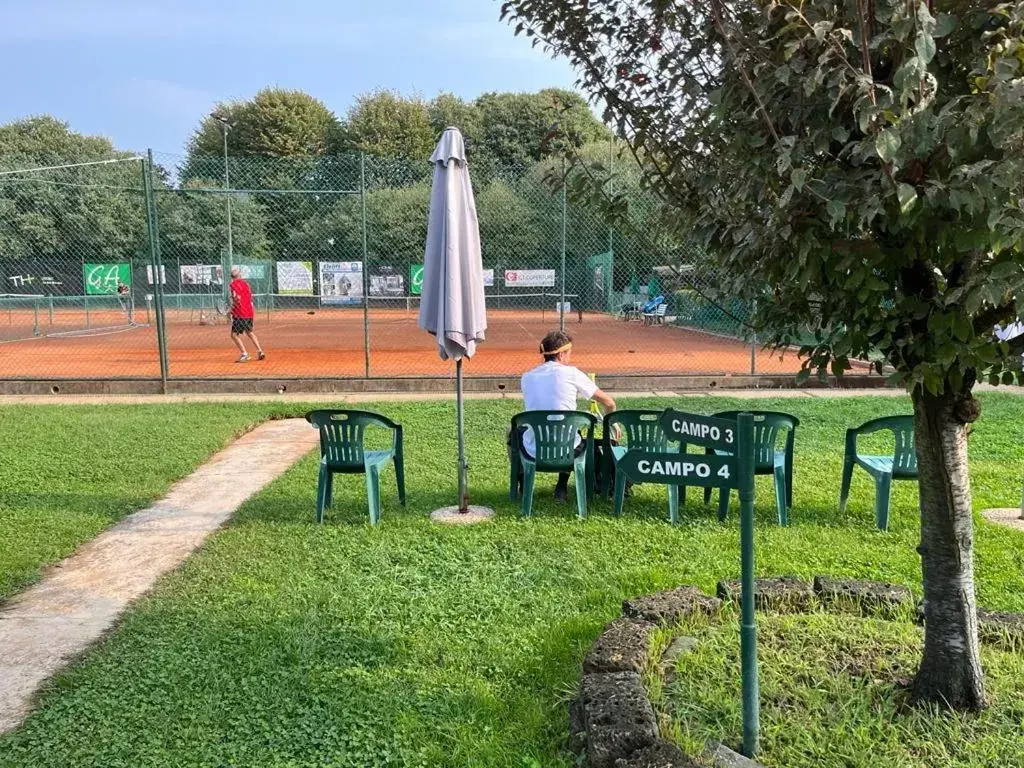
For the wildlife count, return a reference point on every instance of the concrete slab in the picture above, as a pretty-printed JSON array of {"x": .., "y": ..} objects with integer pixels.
[
  {"x": 1009, "y": 517},
  {"x": 44, "y": 628}
]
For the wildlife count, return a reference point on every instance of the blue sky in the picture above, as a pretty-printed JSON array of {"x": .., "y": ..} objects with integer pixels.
[{"x": 144, "y": 73}]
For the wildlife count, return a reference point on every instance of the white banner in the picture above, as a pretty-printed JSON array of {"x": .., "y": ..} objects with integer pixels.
[
  {"x": 163, "y": 274},
  {"x": 488, "y": 278},
  {"x": 341, "y": 282},
  {"x": 295, "y": 277},
  {"x": 530, "y": 278},
  {"x": 202, "y": 274}
]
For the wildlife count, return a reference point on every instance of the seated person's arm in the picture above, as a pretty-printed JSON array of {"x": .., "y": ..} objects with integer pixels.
[{"x": 605, "y": 400}]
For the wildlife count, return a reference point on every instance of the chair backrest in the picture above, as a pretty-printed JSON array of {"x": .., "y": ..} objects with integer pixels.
[
  {"x": 554, "y": 435},
  {"x": 651, "y": 305},
  {"x": 342, "y": 433},
  {"x": 767, "y": 426},
  {"x": 661, "y": 310},
  {"x": 641, "y": 430},
  {"x": 904, "y": 459}
]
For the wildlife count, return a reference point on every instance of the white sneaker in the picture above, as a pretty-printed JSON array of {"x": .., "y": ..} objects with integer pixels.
[{"x": 243, "y": 359}]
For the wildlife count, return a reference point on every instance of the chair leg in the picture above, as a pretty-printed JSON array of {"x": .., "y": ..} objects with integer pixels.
[
  {"x": 620, "y": 492},
  {"x": 400, "y": 477},
  {"x": 723, "y": 504},
  {"x": 883, "y": 488},
  {"x": 373, "y": 494},
  {"x": 329, "y": 492},
  {"x": 781, "y": 505},
  {"x": 707, "y": 496},
  {"x": 581, "y": 490},
  {"x": 682, "y": 493},
  {"x": 321, "y": 493},
  {"x": 673, "y": 503},
  {"x": 529, "y": 475},
  {"x": 513, "y": 478},
  {"x": 844, "y": 489}
]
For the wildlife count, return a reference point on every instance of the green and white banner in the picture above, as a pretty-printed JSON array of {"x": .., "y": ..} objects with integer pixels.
[{"x": 103, "y": 279}]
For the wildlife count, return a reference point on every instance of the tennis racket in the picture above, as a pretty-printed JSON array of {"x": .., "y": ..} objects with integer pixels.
[
  {"x": 221, "y": 306},
  {"x": 594, "y": 409}
]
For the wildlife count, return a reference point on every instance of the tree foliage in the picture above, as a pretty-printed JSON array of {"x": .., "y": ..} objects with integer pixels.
[
  {"x": 857, "y": 168},
  {"x": 385, "y": 123}
]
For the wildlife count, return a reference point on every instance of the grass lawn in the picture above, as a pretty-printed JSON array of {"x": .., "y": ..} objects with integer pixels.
[
  {"x": 834, "y": 691},
  {"x": 71, "y": 471},
  {"x": 284, "y": 643}
]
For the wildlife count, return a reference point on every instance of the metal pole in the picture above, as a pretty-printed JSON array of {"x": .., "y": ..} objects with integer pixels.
[
  {"x": 154, "y": 258},
  {"x": 463, "y": 485},
  {"x": 561, "y": 306},
  {"x": 366, "y": 288},
  {"x": 748, "y": 626},
  {"x": 1022, "y": 504},
  {"x": 753, "y": 349},
  {"x": 227, "y": 191}
]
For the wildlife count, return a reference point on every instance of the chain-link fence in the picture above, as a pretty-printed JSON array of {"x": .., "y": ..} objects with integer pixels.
[{"x": 118, "y": 268}]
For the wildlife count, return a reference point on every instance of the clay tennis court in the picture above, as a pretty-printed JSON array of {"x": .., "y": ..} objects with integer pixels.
[{"x": 328, "y": 343}]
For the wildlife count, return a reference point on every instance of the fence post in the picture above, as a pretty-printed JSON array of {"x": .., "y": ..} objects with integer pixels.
[
  {"x": 366, "y": 266},
  {"x": 748, "y": 625},
  {"x": 561, "y": 305},
  {"x": 753, "y": 348},
  {"x": 153, "y": 231}
]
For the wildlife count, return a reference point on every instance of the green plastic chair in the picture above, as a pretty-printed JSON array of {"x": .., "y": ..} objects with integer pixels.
[
  {"x": 767, "y": 459},
  {"x": 902, "y": 465},
  {"x": 641, "y": 431},
  {"x": 342, "y": 452},
  {"x": 555, "y": 442}
]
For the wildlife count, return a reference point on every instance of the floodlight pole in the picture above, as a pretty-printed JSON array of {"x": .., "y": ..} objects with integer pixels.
[
  {"x": 225, "y": 127},
  {"x": 748, "y": 624},
  {"x": 561, "y": 304}
]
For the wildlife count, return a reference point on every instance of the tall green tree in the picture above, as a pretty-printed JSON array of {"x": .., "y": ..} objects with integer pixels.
[
  {"x": 65, "y": 214},
  {"x": 386, "y": 123},
  {"x": 514, "y": 125},
  {"x": 860, "y": 166}
]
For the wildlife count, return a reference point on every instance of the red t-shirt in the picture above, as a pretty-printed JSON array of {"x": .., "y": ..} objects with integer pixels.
[{"x": 242, "y": 306}]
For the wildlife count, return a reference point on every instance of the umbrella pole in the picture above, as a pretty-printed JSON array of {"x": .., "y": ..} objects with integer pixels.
[{"x": 463, "y": 492}]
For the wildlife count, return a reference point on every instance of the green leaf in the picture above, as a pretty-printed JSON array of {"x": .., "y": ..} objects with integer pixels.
[
  {"x": 907, "y": 196},
  {"x": 887, "y": 144},
  {"x": 836, "y": 210},
  {"x": 925, "y": 47},
  {"x": 944, "y": 24},
  {"x": 798, "y": 177}
]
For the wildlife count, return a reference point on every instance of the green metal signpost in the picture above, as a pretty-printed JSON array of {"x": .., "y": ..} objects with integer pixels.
[{"x": 733, "y": 468}]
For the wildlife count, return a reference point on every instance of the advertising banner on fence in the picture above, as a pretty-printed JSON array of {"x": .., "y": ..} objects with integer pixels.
[
  {"x": 415, "y": 279},
  {"x": 341, "y": 282},
  {"x": 163, "y": 274},
  {"x": 103, "y": 279},
  {"x": 488, "y": 278},
  {"x": 202, "y": 274},
  {"x": 530, "y": 278},
  {"x": 295, "y": 278},
  {"x": 386, "y": 281}
]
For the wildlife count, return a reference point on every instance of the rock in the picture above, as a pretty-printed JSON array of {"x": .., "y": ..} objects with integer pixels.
[
  {"x": 720, "y": 756},
  {"x": 670, "y": 606},
  {"x": 783, "y": 594},
  {"x": 577, "y": 727},
  {"x": 867, "y": 596},
  {"x": 622, "y": 646},
  {"x": 679, "y": 646},
  {"x": 660, "y": 755},
  {"x": 617, "y": 717},
  {"x": 1000, "y": 627}
]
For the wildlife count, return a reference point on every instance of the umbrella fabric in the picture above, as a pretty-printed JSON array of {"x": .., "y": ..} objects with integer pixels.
[{"x": 452, "y": 303}]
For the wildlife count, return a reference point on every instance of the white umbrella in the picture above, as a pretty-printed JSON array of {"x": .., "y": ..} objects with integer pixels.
[{"x": 452, "y": 303}]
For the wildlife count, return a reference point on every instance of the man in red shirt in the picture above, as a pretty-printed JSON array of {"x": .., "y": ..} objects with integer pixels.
[{"x": 242, "y": 315}]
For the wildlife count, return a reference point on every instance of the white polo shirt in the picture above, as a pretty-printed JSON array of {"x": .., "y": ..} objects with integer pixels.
[{"x": 552, "y": 386}]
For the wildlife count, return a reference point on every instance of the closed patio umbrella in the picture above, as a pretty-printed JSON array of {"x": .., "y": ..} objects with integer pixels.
[{"x": 452, "y": 303}]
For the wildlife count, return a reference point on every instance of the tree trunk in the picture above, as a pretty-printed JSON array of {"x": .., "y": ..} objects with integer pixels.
[{"x": 950, "y": 671}]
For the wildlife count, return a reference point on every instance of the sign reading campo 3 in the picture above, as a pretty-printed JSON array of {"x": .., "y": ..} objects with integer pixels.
[{"x": 668, "y": 468}]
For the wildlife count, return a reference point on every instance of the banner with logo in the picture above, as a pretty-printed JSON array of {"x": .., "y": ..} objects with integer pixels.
[
  {"x": 295, "y": 278},
  {"x": 341, "y": 282},
  {"x": 530, "y": 278},
  {"x": 415, "y": 279},
  {"x": 163, "y": 274},
  {"x": 386, "y": 281},
  {"x": 103, "y": 279},
  {"x": 202, "y": 274}
]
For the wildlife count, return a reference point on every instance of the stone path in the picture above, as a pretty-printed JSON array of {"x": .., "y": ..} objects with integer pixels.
[
  {"x": 44, "y": 628},
  {"x": 1007, "y": 516}
]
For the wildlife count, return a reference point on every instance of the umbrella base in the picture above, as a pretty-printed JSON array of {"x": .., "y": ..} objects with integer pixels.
[{"x": 452, "y": 516}]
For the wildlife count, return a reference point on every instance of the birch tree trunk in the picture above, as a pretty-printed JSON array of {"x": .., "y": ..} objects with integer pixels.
[{"x": 950, "y": 671}]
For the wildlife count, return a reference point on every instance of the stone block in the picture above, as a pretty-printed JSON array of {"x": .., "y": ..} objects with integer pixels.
[
  {"x": 617, "y": 717},
  {"x": 670, "y": 606},
  {"x": 784, "y": 594},
  {"x": 622, "y": 646}
]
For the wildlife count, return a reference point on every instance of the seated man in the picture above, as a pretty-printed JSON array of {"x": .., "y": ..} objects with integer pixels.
[{"x": 555, "y": 385}]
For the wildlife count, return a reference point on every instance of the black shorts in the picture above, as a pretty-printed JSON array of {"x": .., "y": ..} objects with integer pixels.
[{"x": 240, "y": 325}]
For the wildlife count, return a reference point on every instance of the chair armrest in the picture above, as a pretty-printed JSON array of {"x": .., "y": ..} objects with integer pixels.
[{"x": 850, "y": 450}]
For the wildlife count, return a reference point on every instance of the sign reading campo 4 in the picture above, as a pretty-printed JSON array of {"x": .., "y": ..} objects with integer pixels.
[
  {"x": 103, "y": 279},
  {"x": 705, "y": 431},
  {"x": 679, "y": 468},
  {"x": 415, "y": 279}
]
